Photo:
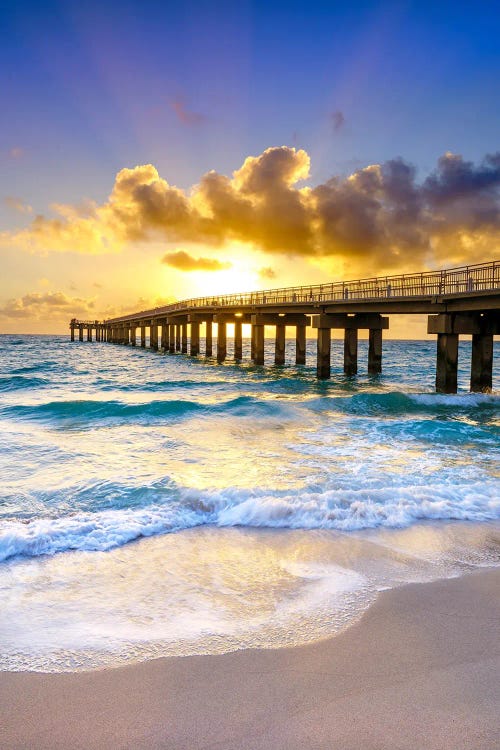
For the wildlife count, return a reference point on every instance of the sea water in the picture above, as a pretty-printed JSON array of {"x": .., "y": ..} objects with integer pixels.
[{"x": 155, "y": 505}]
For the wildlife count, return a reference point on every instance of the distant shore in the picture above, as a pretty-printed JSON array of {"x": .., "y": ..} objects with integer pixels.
[{"x": 420, "y": 669}]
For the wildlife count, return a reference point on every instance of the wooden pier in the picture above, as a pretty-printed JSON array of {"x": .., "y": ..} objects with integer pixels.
[{"x": 463, "y": 300}]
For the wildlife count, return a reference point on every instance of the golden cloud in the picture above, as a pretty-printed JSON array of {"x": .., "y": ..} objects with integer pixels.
[
  {"x": 17, "y": 204},
  {"x": 185, "y": 262},
  {"x": 53, "y": 305},
  {"x": 379, "y": 217}
]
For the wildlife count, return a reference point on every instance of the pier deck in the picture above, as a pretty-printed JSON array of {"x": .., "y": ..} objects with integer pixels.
[{"x": 464, "y": 300}]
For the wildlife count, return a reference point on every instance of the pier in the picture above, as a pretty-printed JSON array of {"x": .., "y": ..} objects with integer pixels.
[{"x": 458, "y": 301}]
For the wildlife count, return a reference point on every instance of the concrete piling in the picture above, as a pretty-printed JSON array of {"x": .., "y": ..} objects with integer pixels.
[
  {"x": 238, "y": 340},
  {"x": 279, "y": 346},
  {"x": 221, "y": 340},
  {"x": 464, "y": 302},
  {"x": 300, "y": 345},
  {"x": 351, "y": 351},
  {"x": 195, "y": 339},
  {"x": 208, "y": 338}
]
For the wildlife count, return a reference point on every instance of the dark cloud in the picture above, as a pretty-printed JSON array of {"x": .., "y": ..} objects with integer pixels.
[
  {"x": 338, "y": 121},
  {"x": 17, "y": 204},
  {"x": 185, "y": 115},
  {"x": 185, "y": 262}
]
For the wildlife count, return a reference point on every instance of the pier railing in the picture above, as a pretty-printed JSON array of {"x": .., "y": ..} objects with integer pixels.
[{"x": 461, "y": 280}]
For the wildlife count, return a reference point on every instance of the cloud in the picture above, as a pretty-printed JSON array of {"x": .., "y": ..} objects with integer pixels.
[
  {"x": 377, "y": 219},
  {"x": 338, "y": 120},
  {"x": 267, "y": 273},
  {"x": 17, "y": 204},
  {"x": 185, "y": 115},
  {"x": 48, "y": 305},
  {"x": 185, "y": 262}
]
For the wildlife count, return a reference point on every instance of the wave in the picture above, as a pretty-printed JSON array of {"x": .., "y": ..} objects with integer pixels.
[
  {"x": 88, "y": 411},
  {"x": 18, "y": 382},
  {"x": 397, "y": 403},
  {"x": 344, "y": 510}
]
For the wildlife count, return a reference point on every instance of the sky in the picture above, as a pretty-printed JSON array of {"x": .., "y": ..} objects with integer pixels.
[{"x": 152, "y": 151}]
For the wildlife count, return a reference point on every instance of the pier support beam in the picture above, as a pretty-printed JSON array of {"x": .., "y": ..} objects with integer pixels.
[
  {"x": 300, "y": 345},
  {"x": 72, "y": 333},
  {"x": 221, "y": 340},
  {"x": 481, "y": 372},
  {"x": 252, "y": 343},
  {"x": 195, "y": 339},
  {"x": 153, "y": 336},
  {"x": 258, "y": 344},
  {"x": 280, "y": 320},
  {"x": 447, "y": 363},
  {"x": 238, "y": 340},
  {"x": 133, "y": 335},
  {"x": 80, "y": 333},
  {"x": 184, "y": 338},
  {"x": 323, "y": 367},
  {"x": 375, "y": 351},
  {"x": 143, "y": 336},
  {"x": 448, "y": 326},
  {"x": 208, "y": 339},
  {"x": 89, "y": 333},
  {"x": 351, "y": 351},
  {"x": 177, "y": 337},
  {"x": 171, "y": 338},
  {"x": 279, "y": 345},
  {"x": 164, "y": 336},
  {"x": 351, "y": 324}
]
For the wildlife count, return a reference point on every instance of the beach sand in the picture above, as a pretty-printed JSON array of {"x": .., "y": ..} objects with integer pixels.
[{"x": 420, "y": 669}]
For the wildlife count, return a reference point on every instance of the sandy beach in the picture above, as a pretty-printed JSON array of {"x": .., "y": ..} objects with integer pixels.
[{"x": 419, "y": 670}]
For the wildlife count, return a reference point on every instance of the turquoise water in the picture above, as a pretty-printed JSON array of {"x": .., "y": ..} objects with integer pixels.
[{"x": 153, "y": 504}]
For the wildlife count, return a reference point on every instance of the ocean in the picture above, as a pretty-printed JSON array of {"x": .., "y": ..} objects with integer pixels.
[{"x": 155, "y": 505}]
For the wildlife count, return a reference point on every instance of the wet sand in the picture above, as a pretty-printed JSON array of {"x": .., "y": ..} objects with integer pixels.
[{"x": 421, "y": 669}]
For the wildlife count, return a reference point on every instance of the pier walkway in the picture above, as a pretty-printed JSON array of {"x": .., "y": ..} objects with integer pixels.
[{"x": 464, "y": 300}]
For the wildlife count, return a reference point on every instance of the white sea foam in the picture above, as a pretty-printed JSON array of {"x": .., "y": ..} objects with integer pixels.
[
  {"x": 342, "y": 509},
  {"x": 274, "y": 506}
]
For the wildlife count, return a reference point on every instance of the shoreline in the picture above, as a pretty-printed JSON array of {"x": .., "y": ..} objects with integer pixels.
[{"x": 420, "y": 668}]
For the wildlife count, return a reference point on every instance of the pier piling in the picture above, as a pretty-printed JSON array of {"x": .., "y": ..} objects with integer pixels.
[{"x": 458, "y": 301}]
